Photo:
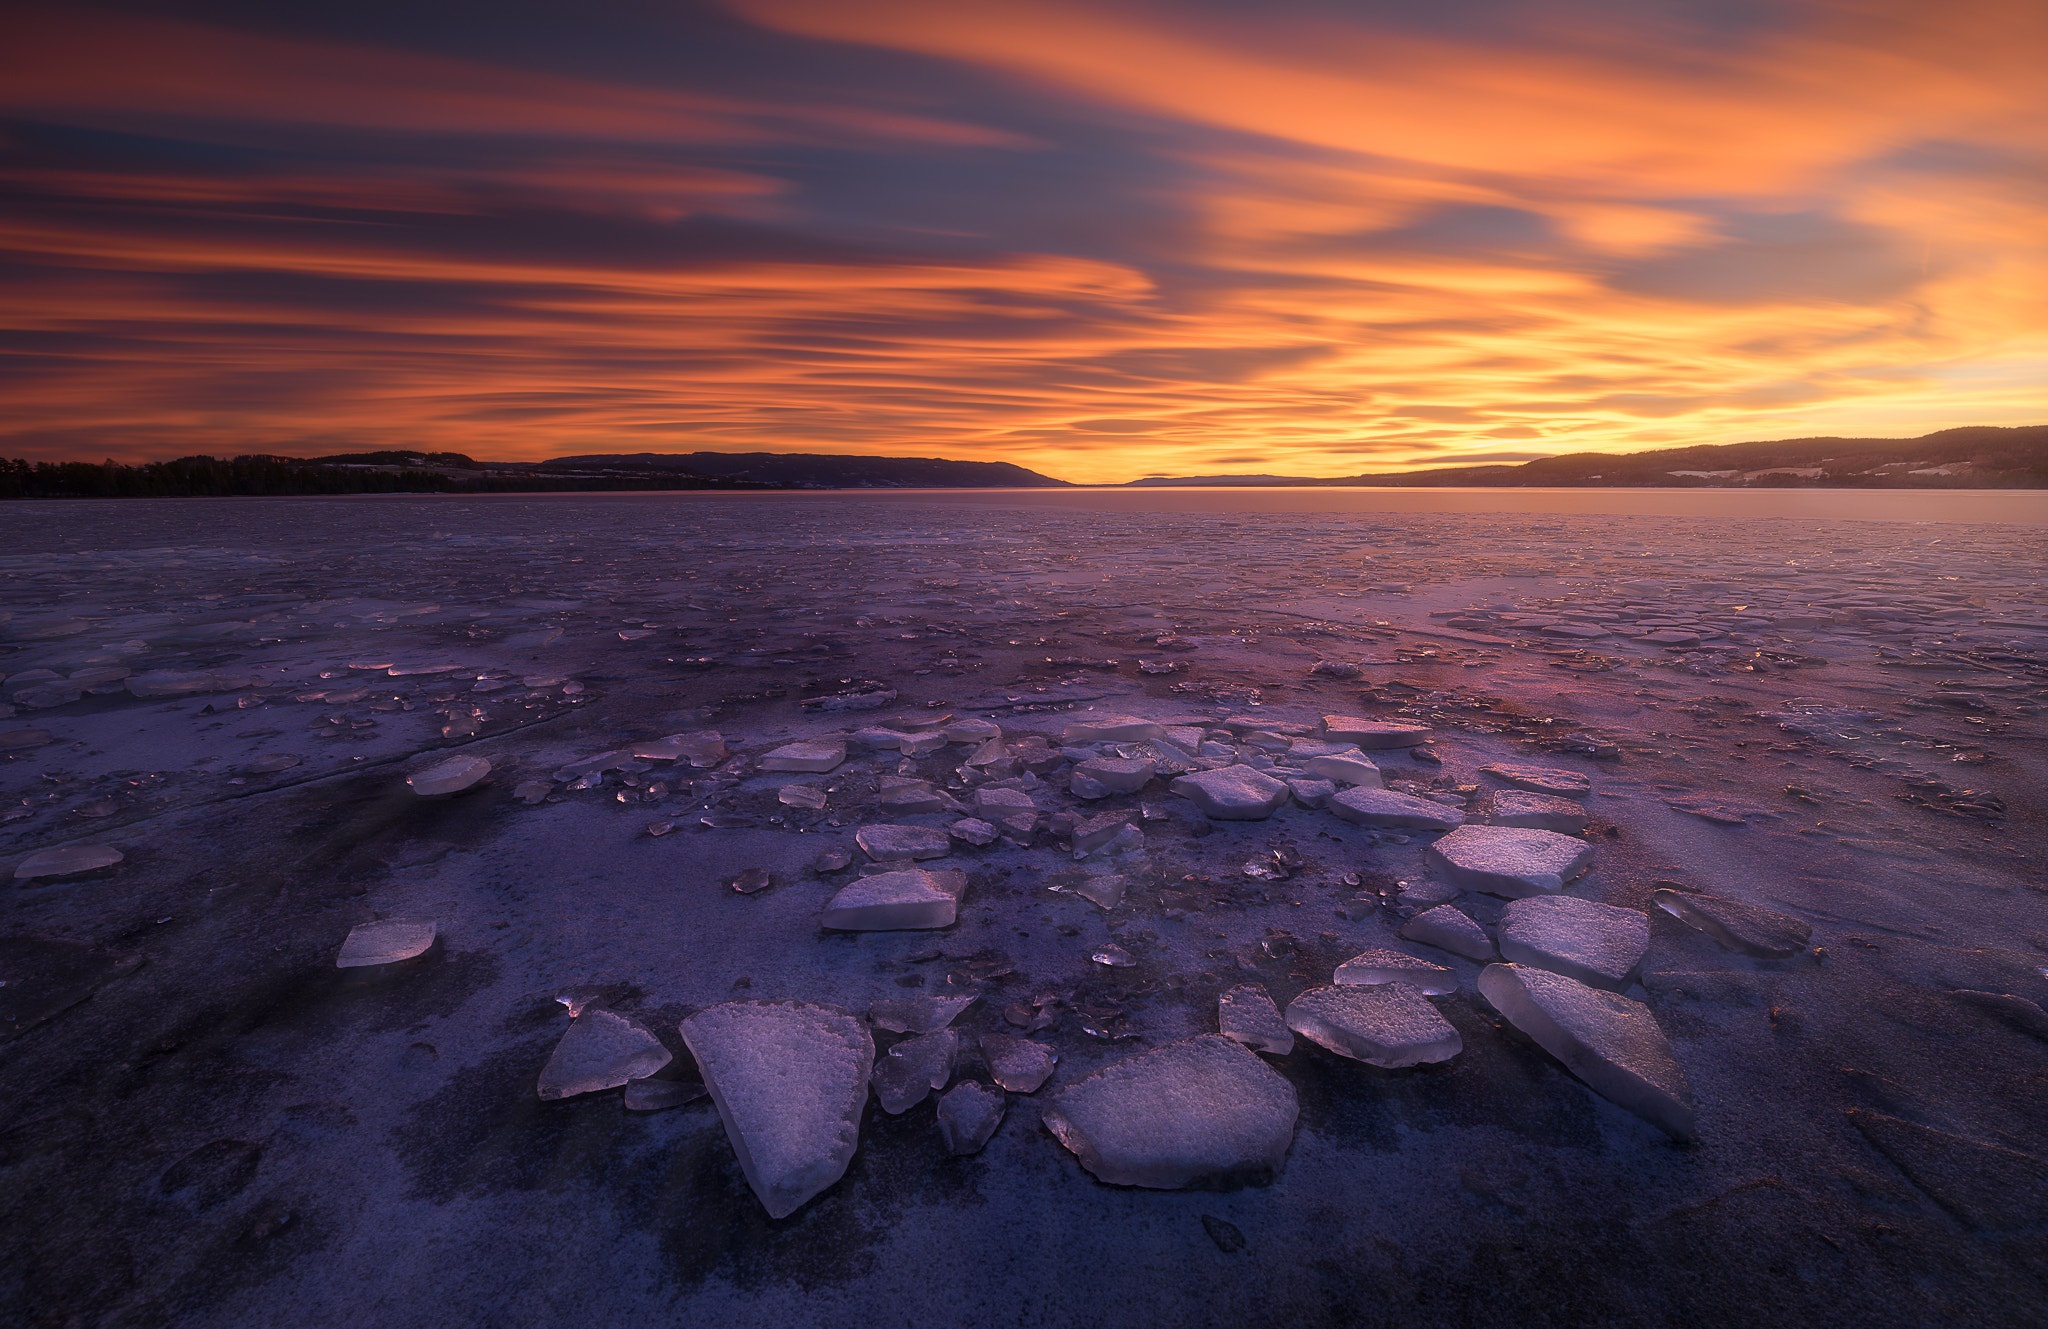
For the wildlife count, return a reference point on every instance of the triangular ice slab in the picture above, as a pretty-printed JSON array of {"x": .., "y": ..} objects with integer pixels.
[{"x": 790, "y": 1081}]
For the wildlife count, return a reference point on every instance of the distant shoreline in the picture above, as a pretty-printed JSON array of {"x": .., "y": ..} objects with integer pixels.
[{"x": 1972, "y": 458}]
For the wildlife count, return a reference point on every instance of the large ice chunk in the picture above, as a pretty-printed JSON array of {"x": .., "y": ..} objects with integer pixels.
[
  {"x": 601, "y": 1050},
  {"x": 1018, "y": 1064},
  {"x": 1367, "y": 806},
  {"x": 813, "y": 756},
  {"x": 1011, "y": 809},
  {"x": 1388, "y": 1024},
  {"x": 790, "y": 1081},
  {"x": 1612, "y": 1043},
  {"x": 1374, "y": 733},
  {"x": 1203, "y": 1110},
  {"x": 884, "y": 842},
  {"x": 914, "y": 1068},
  {"x": 1099, "y": 777},
  {"x": 1345, "y": 768},
  {"x": 702, "y": 750},
  {"x": 1540, "y": 779},
  {"x": 1540, "y": 812},
  {"x": 1594, "y": 943},
  {"x": 1737, "y": 926},
  {"x": 1510, "y": 862},
  {"x": 449, "y": 777},
  {"x": 1246, "y": 1015},
  {"x": 1233, "y": 793},
  {"x": 968, "y": 1116},
  {"x": 387, "y": 941},
  {"x": 1449, "y": 929},
  {"x": 1380, "y": 965},
  {"x": 888, "y": 901},
  {"x": 909, "y": 798}
]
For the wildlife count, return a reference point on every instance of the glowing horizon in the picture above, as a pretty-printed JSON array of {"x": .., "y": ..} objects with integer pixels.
[{"x": 1103, "y": 240}]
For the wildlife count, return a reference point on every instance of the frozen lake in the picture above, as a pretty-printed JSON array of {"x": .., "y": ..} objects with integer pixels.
[
  {"x": 2027, "y": 506},
  {"x": 1816, "y": 717}
]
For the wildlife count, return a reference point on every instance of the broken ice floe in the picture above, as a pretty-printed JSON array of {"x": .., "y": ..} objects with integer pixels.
[
  {"x": 1737, "y": 926},
  {"x": 885, "y": 843},
  {"x": 968, "y": 1115},
  {"x": 974, "y": 831},
  {"x": 1612, "y": 1043},
  {"x": 813, "y": 757},
  {"x": 1540, "y": 779},
  {"x": 1104, "y": 892},
  {"x": 809, "y": 797},
  {"x": 751, "y": 881},
  {"x": 1099, "y": 777},
  {"x": 1017, "y": 1064},
  {"x": 912, "y": 1069},
  {"x": 1506, "y": 861},
  {"x": 1449, "y": 929},
  {"x": 702, "y": 750},
  {"x": 1531, "y": 811},
  {"x": 1389, "y": 1024},
  {"x": 1374, "y": 733},
  {"x": 790, "y": 1081},
  {"x": 1594, "y": 943},
  {"x": 1202, "y": 1111},
  {"x": 387, "y": 942},
  {"x": 1364, "y": 805},
  {"x": 890, "y": 901},
  {"x": 1011, "y": 809},
  {"x": 1092, "y": 833},
  {"x": 1233, "y": 793},
  {"x": 1112, "y": 956},
  {"x": 600, "y": 1050},
  {"x": 449, "y": 777},
  {"x": 901, "y": 797},
  {"x": 1313, "y": 793},
  {"x": 1245, "y": 1014},
  {"x": 1386, "y": 966},
  {"x": 1350, "y": 768}
]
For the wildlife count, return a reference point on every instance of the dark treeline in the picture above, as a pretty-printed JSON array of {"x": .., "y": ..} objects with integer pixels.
[
  {"x": 210, "y": 477},
  {"x": 200, "y": 477}
]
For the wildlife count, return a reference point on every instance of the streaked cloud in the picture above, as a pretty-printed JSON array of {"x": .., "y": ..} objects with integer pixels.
[{"x": 1104, "y": 239}]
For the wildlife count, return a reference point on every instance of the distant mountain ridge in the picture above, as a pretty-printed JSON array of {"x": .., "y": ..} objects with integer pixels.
[
  {"x": 1971, "y": 457},
  {"x": 812, "y": 470}
]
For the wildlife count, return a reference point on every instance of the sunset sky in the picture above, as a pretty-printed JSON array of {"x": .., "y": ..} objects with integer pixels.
[{"x": 1101, "y": 239}]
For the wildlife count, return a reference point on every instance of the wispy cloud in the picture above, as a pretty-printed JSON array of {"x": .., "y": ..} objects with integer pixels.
[{"x": 1102, "y": 239}]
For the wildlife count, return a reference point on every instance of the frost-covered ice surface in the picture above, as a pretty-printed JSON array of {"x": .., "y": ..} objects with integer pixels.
[
  {"x": 1810, "y": 755},
  {"x": 387, "y": 941}
]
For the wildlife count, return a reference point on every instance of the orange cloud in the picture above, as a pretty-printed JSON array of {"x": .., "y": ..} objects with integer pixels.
[{"x": 1284, "y": 242}]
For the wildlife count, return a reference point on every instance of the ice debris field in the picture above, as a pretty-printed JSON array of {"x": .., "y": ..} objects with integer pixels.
[{"x": 831, "y": 911}]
